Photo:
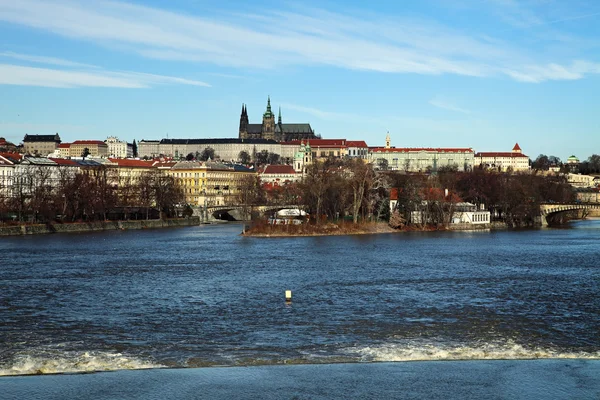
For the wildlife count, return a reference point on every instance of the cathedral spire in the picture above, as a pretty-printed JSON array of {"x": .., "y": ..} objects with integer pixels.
[
  {"x": 279, "y": 117},
  {"x": 268, "y": 113}
]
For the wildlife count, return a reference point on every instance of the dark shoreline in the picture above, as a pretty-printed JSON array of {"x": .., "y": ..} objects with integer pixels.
[
  {"x": 369, "y": 229},
  {"x": 41, "y": 229}
]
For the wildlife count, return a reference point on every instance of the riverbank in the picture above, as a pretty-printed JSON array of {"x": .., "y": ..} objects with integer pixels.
[
  {"x": 347, "y": 228},
  {"x": 75, "y": 227}
]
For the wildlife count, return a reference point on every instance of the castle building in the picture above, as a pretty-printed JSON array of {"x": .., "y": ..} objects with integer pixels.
[
  {"x": 269, "y": 129},
  {"x": 513, "y": 160},
  {"x": 421, "y": 159},
  {"x": 40, "y": 144}
]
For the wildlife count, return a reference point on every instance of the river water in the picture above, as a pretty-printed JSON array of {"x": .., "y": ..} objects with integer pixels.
[{"x": 205, "y": 296}]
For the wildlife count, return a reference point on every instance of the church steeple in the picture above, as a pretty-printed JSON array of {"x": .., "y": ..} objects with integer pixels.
[
  {"x": 279, "y": 117},
  {"x": 268, "y": 125},
  {"x": 268, "y": 113},
  {"x": 243, "y": 123}
]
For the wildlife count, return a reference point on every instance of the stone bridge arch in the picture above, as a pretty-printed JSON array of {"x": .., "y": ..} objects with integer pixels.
[{"x": 558, "y": 213}]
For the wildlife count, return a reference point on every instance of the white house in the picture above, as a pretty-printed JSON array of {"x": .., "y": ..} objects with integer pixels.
[
  {"x": 118, "y": 149},
  {"x": 503, "y": 161},
  {"x": 279, "y": 175}
]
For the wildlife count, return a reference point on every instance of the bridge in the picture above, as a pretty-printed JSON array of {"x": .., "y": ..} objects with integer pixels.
[
  {"x": 558, "y": 213},
  {"x": 213, "y": 213}
]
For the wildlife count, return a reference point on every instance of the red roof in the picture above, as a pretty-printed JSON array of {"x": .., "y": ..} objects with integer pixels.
[
  {"x": 124, "y": 162},
  {"x": 98, "y": 142},
  {"x": 500, "y": 154},
  {"x": 64, "y": 161},
  {"x": 516, "y": 148},
  {"x": 64, "y": 145},
  {"x": 320, "y": 142},
  {"x": 279, "y": 169},
  {"x": 163, "y": 164},
  {"x": 356, "y": 143},
  {"x": 10, "y": 156},
  {"x": 417, "y": 149},
  {"x": 394, "y": 194}
]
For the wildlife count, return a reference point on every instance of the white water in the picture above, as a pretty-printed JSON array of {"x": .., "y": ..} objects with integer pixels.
[
  {"x": 442, "y": 352},
  {"x": 73, "y": 362}
]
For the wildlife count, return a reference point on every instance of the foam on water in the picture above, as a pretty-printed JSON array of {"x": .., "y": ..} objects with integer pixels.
[
  {"x": 71, "y": 362},
  {"x": 412, "y": 351}
]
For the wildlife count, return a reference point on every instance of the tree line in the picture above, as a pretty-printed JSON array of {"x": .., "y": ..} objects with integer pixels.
[
  {"x": 589, "y": 166},
  {"x": 353, "y": 190},
  {"x": 47, "y": 194},
  {"x": 262, "y": 157},
  {"x": 512, "y": 198}
]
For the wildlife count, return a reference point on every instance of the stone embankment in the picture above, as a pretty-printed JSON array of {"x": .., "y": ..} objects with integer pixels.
[
  {"x": 30, "y": 229},
  {"x": 330, "y": 229}
]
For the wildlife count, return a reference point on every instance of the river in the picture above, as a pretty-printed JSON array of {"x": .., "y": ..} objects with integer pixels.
[{"x": 205, "y": 296}]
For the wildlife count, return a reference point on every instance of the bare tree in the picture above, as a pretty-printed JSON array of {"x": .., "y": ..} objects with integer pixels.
[
  {"x": 360, "y": 182},
  {"x": 314, "y": 187}
]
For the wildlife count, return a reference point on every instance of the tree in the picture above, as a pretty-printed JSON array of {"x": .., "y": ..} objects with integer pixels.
[
  {"x": 135, "y": 149},
  {"x": 273, "y": 158},
  {"x": 541, "y": 163},
  {"x": 207, "y": 153},
  {"x": 244, "y": 157},
  {"x": 383, "y": 164},
  {"x": 167, "y": 194},
  {"x": 85, "y": 153},
  {"x": 189, "y": 157},
  {"x": 262, "y": 157},
  {"x": 554, "y": 161},
  {"x": 251, "y": 193},
  {"x": 314, "y": 187},
  {"x": 594, "y": 163},
  {"x": 360, "y": 183}
]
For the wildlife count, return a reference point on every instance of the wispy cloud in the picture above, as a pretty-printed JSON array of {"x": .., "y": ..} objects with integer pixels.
[
  {"x": 307, "y": 37},
  {"x": 314, "y": 111},
  {"x": 30, "y": 76},
  {"x": 45, "y": 60},
  {"x": 446, "y": 104},
  {"x": 541, "y": 73},
  {"x": 329, "y": 115}
]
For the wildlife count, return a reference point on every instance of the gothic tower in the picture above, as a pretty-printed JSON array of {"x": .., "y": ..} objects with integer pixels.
[
  {"x": 244, "y": 123},
  {"x": 268, "y": 124}
]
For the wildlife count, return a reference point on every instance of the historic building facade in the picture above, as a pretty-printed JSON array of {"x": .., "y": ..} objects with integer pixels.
[
  {"x": 513, "y": 160},
  {"x": 96, "y": 148},
  {"x": 269, "y": 129},
  {"x": 118, "y": 148},
  {"x": 210, "y": 183},
  {"x": 421, "y": 159},
  {"x": 41, "y": 145}
]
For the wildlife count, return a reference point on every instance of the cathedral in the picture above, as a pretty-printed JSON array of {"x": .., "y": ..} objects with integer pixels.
[{"x": 269, "y": 129}]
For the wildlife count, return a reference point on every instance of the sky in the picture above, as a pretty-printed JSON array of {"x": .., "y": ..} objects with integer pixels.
[{"x": 483, "y": 74}]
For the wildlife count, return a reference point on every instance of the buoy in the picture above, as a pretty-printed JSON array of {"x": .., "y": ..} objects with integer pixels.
[{"x": 288, "y": 296}]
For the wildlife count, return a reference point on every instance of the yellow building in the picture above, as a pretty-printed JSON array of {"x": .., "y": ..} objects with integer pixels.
[
  {"x": 209, "y": 183},
  {"x": 130, "y": 171},
  {"x": 96, "y": 148}
]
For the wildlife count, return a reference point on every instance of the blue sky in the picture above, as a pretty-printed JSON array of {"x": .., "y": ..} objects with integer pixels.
[{"x": 446, "y": 73}]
